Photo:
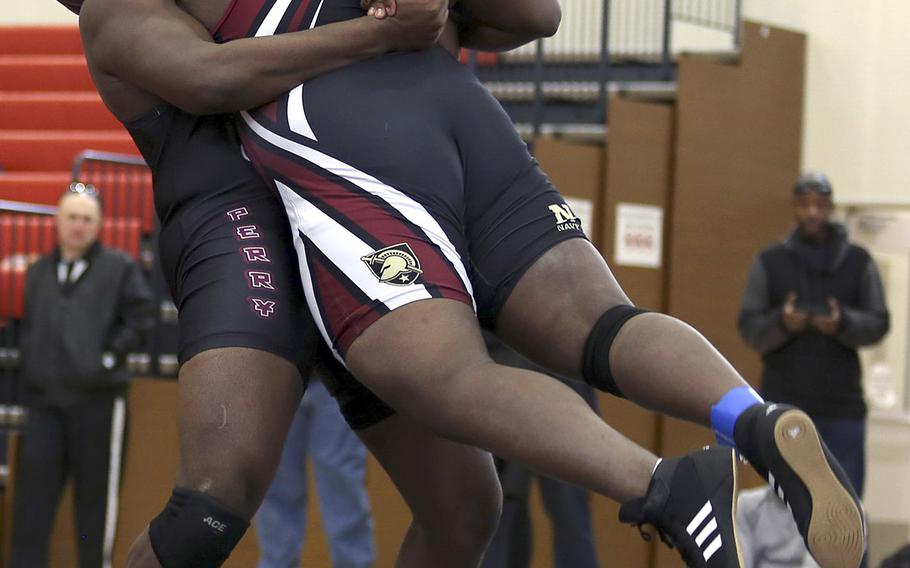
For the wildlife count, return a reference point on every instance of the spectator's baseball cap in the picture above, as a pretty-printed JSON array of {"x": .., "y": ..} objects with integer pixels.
[{"x": 813, "y": 182}]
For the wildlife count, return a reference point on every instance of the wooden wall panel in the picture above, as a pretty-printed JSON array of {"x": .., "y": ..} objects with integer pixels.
[
  {"x": 640, "y": 161},
  {"x": 738, "y": 142},
  {"x": 737, "y": 155}
]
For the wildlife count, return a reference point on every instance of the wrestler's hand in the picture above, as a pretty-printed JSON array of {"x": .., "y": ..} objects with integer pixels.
[
  {"x": 380, "y": 9},
  {"x": 416, "y": 23}
]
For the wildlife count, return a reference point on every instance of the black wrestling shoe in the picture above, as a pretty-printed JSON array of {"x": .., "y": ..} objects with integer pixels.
[
  {"x": 691, "y": 501},
  {"x": 789, "y": 453}
]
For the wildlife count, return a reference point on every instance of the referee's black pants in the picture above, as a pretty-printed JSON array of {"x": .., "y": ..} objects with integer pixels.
[{"x": 86, "y": 440}]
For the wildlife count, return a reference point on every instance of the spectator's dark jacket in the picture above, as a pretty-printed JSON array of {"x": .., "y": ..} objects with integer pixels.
[
  {"x": 67, "y": 328},
  {"x": 819, "y": 373}
]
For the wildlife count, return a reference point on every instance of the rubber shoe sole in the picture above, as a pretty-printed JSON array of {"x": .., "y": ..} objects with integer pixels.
[
  {"x": 836, "y": 536},
  {"x": 735, "y": 465}
]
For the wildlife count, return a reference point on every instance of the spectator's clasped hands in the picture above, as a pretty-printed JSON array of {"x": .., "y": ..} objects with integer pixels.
[
  {"x": 795, "y": 320},
  {"x": 828, "y": 324}
]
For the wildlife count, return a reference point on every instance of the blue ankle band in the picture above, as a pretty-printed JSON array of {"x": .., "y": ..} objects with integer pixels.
[{"x": 726, "y": 411}]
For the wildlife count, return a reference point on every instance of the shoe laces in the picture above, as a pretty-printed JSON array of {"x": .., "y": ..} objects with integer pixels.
[{"x": 690, "y": 554}]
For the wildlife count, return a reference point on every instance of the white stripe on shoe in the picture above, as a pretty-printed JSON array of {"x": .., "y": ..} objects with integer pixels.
[
  {"x": 712, "y": 548},
  {"x": 699, "y": 517},
  {"x": 706, "y": 532},
  {"x": 777, "y": 488},
  {"x": 705, "y": 521}
]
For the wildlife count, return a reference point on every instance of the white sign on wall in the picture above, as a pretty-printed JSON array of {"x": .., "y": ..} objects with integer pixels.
[
  {"x": 584, "y": 210},
  {"x": 639, "y": 235}
]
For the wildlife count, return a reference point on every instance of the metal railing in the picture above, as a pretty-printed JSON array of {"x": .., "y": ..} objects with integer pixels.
[
  {"x": 603, "y": 45},
  {"x": 124, "y": 182},
  {"x": 723, "y": 16},
  {"x": 638, "y": 30}
]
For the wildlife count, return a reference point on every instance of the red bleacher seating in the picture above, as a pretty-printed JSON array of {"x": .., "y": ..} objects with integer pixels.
[
  {"x": 40, "y": 40},
  {"x": 132, "y": 195},
  {"x": 43, "y": 188},
  {"x": 49, "y": 113},
  {"x": 55, "y": 110},
  {"x": 483, "y": 59},
  {"x": 45, "y": 73},
  {"x": 122, "y": 234},
  {"x": 54, "y": 150},
  {"x": 25, "y": 234},
  {"x": 12, "y": 293},
  {"x": 36, "y": 234}
]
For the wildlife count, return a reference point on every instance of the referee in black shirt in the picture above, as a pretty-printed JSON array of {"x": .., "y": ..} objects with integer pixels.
[{"x": 86, "y": 308}]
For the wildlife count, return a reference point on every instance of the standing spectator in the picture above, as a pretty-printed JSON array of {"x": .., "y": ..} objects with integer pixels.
[
  {"x": 810, "y": 302},
  {"x": 339, "y": 468},
  {"x": 568, "y": 506},
  {"x": 768, "y": 536},
  {"x": 86, "y": 307}
]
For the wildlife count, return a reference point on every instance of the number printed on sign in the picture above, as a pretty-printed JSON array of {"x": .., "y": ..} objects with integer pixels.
[{"x": 639, "y": 235}]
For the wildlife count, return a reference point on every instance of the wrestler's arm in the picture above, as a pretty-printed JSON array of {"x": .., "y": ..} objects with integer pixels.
[
  {"x": 501, "y": 25},
  {"x": 153, "y": 45}
]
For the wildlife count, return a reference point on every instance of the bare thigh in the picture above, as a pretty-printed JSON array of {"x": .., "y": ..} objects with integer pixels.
[
  {"x": 551, "y": 311},
  {"x": 428, "y": 360},
  {"x": 235, "y": 406}
]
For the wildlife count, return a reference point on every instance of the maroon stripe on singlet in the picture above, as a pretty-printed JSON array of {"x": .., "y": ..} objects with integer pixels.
[
  {"x": 345, "y": 314},
  {"x": 367, "y": 216},
  {"x": 269, "y": 111},
  {"x": 241, "y": 19},
  {"x": 297, "y": 22}
]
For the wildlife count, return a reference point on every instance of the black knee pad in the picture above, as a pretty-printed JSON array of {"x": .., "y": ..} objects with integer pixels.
[
  {"x": 596, "y": 359},
  {"x": 195, "y": 531}
]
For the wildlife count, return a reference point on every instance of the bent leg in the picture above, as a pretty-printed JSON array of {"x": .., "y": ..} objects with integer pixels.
[
  {"x": 451, "y": 489},
  {"x": 451, "y": 386},
  {"x": 664, "y": 364},
  {"x": 657, "y": 361},
  {"x": 234, "y": 409}
]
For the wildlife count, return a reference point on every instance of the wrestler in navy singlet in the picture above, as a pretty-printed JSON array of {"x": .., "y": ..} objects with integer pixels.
[
  {"x": 403, "y": 179},
  {"x": 227, "y": 252}
]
